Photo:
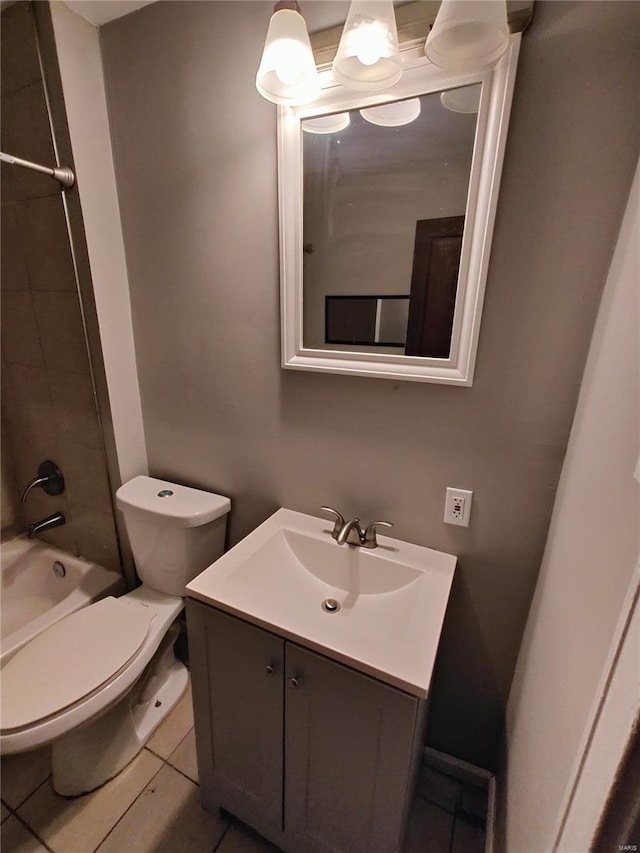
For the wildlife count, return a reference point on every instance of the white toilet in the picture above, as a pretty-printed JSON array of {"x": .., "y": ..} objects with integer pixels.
[{"x": 99, "y": 682}]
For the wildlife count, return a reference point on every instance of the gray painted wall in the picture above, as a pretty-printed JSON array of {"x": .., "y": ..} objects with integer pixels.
[{"x": 195, "y": 156}]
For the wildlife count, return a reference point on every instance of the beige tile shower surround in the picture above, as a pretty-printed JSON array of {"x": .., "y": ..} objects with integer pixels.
[
  {"x": 153, "y": 807},
  {"x": 48, "y": 403}
]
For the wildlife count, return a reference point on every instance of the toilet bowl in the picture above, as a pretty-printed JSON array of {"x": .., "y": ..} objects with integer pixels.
[{"x": 99, "y": 682}]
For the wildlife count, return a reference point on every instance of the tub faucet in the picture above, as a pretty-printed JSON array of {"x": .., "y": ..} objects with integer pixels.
[
  {"x": 48, "y": 523},
  {"x": 351, "y": 532}
]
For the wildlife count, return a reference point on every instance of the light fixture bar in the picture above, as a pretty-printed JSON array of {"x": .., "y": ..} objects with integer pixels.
[{"x": 413, "y": 21}]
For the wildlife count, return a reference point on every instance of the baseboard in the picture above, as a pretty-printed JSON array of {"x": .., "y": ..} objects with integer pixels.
[
  {"x": 456, "y": 767},
  {"x": 466, "y": 772}
]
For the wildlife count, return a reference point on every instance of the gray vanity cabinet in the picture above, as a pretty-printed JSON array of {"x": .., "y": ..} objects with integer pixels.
[
  {"x": 315, "y": 756},
  {"x": 236, "y": 675}
]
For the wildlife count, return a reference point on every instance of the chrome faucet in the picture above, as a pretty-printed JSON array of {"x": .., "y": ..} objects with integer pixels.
[
  {"x": 351, "y": 532},
  {"x": 48, "y": 523}
]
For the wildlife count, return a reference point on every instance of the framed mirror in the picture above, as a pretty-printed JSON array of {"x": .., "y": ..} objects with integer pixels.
[{"x": 387, "y": 203}]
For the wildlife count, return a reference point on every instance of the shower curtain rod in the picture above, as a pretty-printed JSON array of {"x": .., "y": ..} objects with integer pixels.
[{"x": 62, "y": 174}]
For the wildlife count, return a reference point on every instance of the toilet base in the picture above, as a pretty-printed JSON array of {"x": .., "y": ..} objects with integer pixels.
[{"x": 89, "y": 756}]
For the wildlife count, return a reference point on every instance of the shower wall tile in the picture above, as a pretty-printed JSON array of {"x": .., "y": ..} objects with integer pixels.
[
  {"x": 31, "y": 445},
  {"x": 43, "y": 235},
  {"x": 13, "y": 269},
  {"x": 27, "y": 398},
  {"x": 22, "y": 111},
  {"x": 20, "y": 339},
  {"x": 48, "y": 402},
  {"x": 96, "y": 535},
  {"x": 61, "y": 331},
  {"x": 19, "y": 64},
  {"x": 86, "y": 475},
  {"x": 10, "y": 508},
  {"x": 74, "y": 406}
]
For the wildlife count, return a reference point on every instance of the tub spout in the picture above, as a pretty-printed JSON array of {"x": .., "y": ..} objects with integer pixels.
[{"x": 48, "y": 523}]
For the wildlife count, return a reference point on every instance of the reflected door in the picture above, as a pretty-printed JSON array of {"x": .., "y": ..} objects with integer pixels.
[{"x": 434, "y": 282}]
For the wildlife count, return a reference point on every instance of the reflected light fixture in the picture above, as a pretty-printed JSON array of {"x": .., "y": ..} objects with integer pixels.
[
  {"x": 326, "y": 124},
  {"x": 368, "y": 58},
  {"x": 393, "y": 115},
  {"x": 468, "y": 34},
  {"x": 287, "y": 73},
  {"x": 464, "y": 99}
]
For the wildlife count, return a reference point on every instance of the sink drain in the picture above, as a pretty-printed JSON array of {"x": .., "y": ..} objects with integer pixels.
[
  {"x": 330, "y": 605},
  {"x": 59, "y": 569}
]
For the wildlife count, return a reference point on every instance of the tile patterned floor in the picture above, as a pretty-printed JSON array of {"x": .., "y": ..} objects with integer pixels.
[{"x": 153, "y": 807}]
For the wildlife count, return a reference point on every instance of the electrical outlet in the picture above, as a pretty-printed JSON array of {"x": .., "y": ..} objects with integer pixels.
[{"x": 457, "y": 507}]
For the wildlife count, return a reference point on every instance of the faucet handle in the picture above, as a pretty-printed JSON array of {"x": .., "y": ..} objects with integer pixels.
[
  {"x": 339, "y": 520},
  {"x": 49, "y": 478},
  {"x": 369, "y": 539}
]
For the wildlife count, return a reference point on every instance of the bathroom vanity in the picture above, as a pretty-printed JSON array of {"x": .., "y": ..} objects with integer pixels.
[{"x": 310, "y": 722}]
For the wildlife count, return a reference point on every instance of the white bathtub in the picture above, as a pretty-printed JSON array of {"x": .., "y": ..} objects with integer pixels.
[{"x": 34, "y": 597}]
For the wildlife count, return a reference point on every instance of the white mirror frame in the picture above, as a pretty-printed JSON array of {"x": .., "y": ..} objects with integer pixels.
[{"x": 420, "y": 77}]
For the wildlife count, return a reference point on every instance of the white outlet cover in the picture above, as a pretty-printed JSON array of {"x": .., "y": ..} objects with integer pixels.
[{"x": 457, "y": 506}]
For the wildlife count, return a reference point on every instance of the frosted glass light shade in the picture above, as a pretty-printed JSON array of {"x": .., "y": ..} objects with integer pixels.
[
  {"x": 393, "y": 115},
  {"x": 465, "y": 99},
  {"x": 326, "y": 124},
  {"x": 368, "y": 58},
  {"x": 287, "y": 73},
  {"x": 468, "y": 34}
]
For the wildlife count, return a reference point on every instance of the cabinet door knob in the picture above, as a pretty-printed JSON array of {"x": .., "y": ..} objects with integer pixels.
[
  {"x": 293, "y": 682},
  {"x": 269, "y": 670}
]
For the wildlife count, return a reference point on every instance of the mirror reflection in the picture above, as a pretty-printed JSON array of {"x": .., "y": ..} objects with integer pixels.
[
  {"x": 370, "y": 320},
  {"x": 385, "y": 193}
]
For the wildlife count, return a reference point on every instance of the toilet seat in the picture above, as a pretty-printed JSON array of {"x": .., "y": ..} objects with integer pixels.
[
  {"x": 162, "y": 610},
  {"x": 72, "y": 659}
]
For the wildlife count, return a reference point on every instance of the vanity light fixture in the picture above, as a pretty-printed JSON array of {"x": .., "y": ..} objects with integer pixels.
[
  {"x": 468, "y": 34},
  {"x": 393, "y": 115},
  {"x": 368, "y": 58},
  {"x": 326, "y": 124},
  {"x": 287, "y": 73}
]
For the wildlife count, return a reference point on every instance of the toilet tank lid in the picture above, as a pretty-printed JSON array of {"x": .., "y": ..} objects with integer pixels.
[{"x": 181, "y": 505}]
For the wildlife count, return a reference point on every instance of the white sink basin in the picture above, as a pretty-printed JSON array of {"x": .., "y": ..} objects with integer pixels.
[{"x": 392, "y": 598}]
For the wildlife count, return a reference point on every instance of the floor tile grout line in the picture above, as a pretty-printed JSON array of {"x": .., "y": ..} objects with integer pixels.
[
  {"x": 37, "y": 788},
  {"x": 132, "y": 803},
  {"x": 32, "y": 830},
  {"x": 8, "y": 808},
  {"x": 157, "y": 754},
  {"x": 224, "y": 834},
  {"x": 182, "y": 773}
]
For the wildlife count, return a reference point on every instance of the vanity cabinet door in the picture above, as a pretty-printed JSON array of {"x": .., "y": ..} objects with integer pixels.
[
  {"x": 348, "y": 756},
  {"x": 237, "y": 672}
]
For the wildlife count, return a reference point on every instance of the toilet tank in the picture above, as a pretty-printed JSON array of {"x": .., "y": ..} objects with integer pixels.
[{"x": 175, "y": 531}]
